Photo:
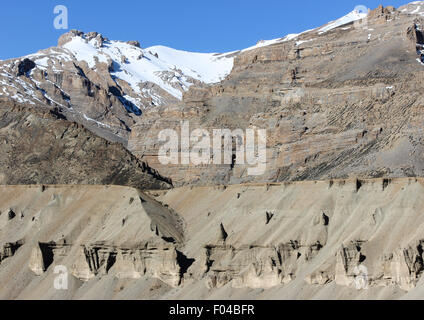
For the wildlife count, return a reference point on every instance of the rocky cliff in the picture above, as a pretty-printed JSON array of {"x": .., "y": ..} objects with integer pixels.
[
  {"x": 40, "y": 147},
  {"x": 342, "y": 100},
  {"x": 106, "y": 85},
  {"x": 337, "y": 214},
  {"x": 348, "y": 239},
  {"x": 337, "y": 102}
]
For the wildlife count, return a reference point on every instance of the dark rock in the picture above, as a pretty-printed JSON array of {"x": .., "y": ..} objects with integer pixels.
[
  {"x": 11, "y": 214},
  {"x": 134, "y": 43},
  {"x": 25, "y": 66}
]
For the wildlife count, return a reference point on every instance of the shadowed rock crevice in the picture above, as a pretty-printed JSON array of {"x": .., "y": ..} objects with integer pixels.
[
  {"x": 184, "y": 262},
  {"x": 47, "y": 254},
  {"x": 9, "y": 249},
  {"x": 25, "y": 66}
]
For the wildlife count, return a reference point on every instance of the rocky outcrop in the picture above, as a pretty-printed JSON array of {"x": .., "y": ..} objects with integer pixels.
[
  {"x": 78, "y": 92},
  {"x": 403, "y": 268},
  {"x": 321, "y": 234},
  {"x": 251, "y": 266},
  {"x": 86, "y": 78},
  {"x": 37, "y": 146},
  {"x": 149, "y": 259},
  {"x": 134, "y": 43},
  {"x": 327, "y": 239},
  {"x": 111, "y": 237},
  {"x": 67, "y": 37},
  {"x": 9, "y": 249},
  {"x": 336, "y": 104}
]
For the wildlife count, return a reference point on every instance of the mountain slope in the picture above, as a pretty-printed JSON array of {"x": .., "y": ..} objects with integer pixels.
[
  {"x": 306, "y": 241},
  {"x": 339, "y": 100},
  {"x": 106, "y": 85},
  {"x": 342, "y": 103},
  {"x": 172, "y": 70},
  {"x": 39, "y": 147}
]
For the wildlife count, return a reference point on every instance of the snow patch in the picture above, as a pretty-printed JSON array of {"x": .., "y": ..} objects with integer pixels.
[
  {"x": 95, "y": 121},
  {"x": 350, "y": 17},
  {"x": 135, "y": 65}
]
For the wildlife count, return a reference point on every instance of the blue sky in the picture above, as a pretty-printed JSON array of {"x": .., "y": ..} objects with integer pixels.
[{"x": 202, "y": 25}]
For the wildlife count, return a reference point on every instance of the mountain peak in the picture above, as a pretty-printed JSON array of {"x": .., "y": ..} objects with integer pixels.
[{"x": 92, "y": 77}]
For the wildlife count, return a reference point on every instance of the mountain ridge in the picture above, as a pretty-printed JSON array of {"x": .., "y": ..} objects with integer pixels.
[{"x": 89, "y": 79}]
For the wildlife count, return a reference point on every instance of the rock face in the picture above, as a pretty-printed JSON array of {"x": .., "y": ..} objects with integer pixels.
[
  {"x": 342, "y": 105},
  {"x": 106, "y": 85},
  {"x": 345, "y": 102},
  {"x": 93, "y": 231},
  {"x": 342, "y": 100},
  {"x": 79, "y": 93},
  {"x": 326, "y": 240},
  {"x": 340, "y": 234},
  {"x": 39, "y": 148}
]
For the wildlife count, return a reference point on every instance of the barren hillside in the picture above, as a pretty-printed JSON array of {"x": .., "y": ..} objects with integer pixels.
[
  {"x": 299, "y": 240},
  {"x": 336, "y": 215}
]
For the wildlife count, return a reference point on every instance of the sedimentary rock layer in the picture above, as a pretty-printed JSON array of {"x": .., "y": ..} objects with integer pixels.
[
  {"x": 339, "y": 104},
  {"x": 325, "y": 239}
]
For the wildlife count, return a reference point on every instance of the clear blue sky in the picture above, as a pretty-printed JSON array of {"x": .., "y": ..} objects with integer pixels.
[{"x": 195, "y": 25}]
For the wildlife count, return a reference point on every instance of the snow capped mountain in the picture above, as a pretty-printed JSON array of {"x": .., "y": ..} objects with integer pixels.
[
  {"x": 106, "y": 84},
  {"x": 135, "y": 65},
  {"x": 416, "y": 8},
  {"x": 205, "y": 67},
  {"x": 353, "y": 16},
  {"x": 145, "y": 77},
  {"x": 158, "y": 74}
]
